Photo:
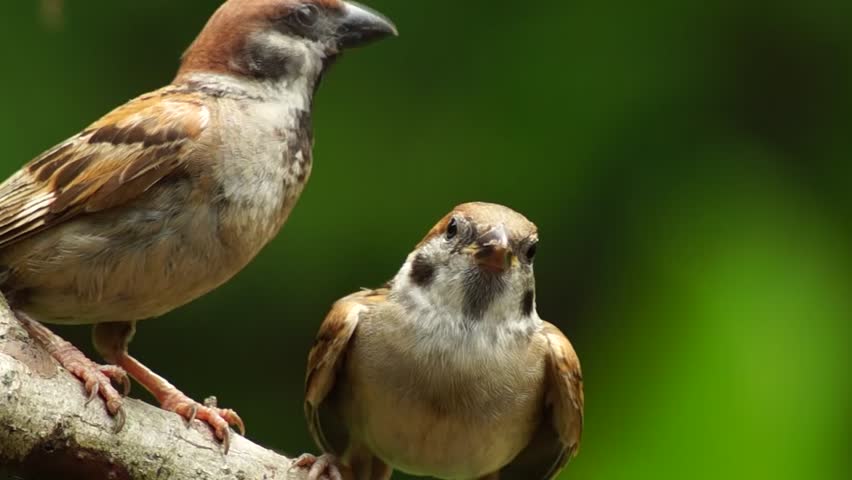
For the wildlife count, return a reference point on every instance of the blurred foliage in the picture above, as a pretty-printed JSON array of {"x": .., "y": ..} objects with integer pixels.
[{"x": 688, "y": 165}]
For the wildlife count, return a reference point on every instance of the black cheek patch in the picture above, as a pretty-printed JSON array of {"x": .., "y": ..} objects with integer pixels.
[
  {"x": 270, "y": 63},
  {"x": 527, "y": 303},
  {"x": 422, "y": 272}
]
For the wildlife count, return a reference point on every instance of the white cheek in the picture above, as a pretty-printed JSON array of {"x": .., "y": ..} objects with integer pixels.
[
  {"x": 414, "y": 295},
  {"x": 310, "y": 53}
]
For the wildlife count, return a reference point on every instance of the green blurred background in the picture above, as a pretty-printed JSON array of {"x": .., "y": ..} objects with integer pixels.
[{"x": 688, "y": 167}]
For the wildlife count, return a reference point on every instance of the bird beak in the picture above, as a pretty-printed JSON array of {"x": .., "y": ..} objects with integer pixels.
[
  {"x": 491, "y": 250},
  {"x": 361, "y": 25}
]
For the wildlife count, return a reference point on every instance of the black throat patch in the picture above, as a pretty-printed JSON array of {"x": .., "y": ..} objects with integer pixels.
[
  {"x": 480, "y": 290},
  {"x": 527, "y": 303}
]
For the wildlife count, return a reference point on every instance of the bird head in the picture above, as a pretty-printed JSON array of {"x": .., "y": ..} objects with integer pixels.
[
  {"x": 478, "y": 260},
  {"x": 281, "y": 39}
]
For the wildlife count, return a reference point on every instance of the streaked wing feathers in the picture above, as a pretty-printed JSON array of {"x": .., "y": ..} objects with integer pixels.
[
  {"x": 110, "y": 163},
  {"x": 565, "y": 396},
  {"x": 327, "y": 355}
]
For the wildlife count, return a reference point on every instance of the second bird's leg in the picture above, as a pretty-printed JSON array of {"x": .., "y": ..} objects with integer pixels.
[
  {"x": 324, "y": 467},
  {"x": 365, "y": 465},
  {"x": 111, "y": 340}
]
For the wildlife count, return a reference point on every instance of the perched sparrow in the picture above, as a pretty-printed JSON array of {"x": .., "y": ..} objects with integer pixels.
[
  {"x": 448, "y": 371},
  {"x": 168, "y": 196}
]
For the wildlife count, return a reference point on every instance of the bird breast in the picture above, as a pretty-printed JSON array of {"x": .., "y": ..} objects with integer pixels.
[
  {"x": 266, "y": 160},
  {"x": 457, "y": 411}
]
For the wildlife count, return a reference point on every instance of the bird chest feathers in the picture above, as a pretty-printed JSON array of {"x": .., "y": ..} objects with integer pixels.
[
  {"x": 419, "y": 395},
  {"x": 266, "y": 158}
]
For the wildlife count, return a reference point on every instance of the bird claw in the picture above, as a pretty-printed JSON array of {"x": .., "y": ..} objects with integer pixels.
[
  {"x": 220, "y": 419},
  {"x": 97, "y": 379},
  {"x": 118, "y": 376},
  {"x": 98, "y": 382},
  {"x": 93, "y": 393},
  {"x": 103, "y": 376},
  {"x": 324, "y": 467},
  {"x": 193, "y": 412},
  {"x": 120, "y": 418}
]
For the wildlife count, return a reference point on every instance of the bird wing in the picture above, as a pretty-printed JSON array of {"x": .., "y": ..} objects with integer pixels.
[
  {"x": 557, "y": 439},
  {"x": 565, "y": 392},
  {"x": 110, "y": 163},
  {"x": 326, "y": 359}
]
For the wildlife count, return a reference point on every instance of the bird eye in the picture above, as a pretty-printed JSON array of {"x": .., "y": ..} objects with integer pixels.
[
  {"x": 307, "y": 15},
  {"x": 452, "y": 229},
  {"x": 531, "y": 251}
]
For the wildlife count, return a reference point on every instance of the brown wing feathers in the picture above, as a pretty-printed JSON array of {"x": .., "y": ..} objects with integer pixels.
[
  {"x": 328, "y": 352},
  {"x": 566, "y": 395},
  {"x": 113, "y": 161}
]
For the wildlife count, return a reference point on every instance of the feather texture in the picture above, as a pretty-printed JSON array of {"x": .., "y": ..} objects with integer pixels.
[
  {"x": 328, "y": 352},
  {"x": 107, "y": 165}
]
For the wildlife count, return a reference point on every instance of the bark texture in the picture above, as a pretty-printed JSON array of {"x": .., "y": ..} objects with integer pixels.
[{"x": 47, "y": 431}]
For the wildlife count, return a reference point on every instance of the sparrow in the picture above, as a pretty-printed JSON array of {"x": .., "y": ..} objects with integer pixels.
[
  {"x": 447, "y": 371},
  {"x": 171, "y": 194}
]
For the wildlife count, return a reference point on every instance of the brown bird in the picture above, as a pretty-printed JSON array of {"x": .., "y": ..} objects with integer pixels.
[
  {"x": 168, "y": 196},
  {"x": 448, "y": 371}
]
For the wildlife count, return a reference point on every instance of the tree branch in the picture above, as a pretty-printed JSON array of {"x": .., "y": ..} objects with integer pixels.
[{"x": 47, "y": 431}]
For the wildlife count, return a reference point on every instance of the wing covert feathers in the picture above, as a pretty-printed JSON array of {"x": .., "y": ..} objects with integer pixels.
[
  {"x": 110, "y": 163},
  {"x": 565, "y": 396},
  {"x": 328, "y": 352}
]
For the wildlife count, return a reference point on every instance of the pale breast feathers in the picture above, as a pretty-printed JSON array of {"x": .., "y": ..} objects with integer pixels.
[{"x": 112, "y": 162}]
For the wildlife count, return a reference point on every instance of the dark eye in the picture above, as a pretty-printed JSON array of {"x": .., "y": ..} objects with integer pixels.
[
  {"x": 531, "y": 251},
  {"x": 307, "y": 15},
  {"x": 452, "y": 229}
]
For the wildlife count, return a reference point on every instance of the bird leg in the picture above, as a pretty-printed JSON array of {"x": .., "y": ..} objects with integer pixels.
[
  {"x": 365, "y": 465},
  {"x": 324, "y": 467},
  {"x": 97, "y": 379},
  {"x": 111, "y": 340},
  {"x": 174, "y": 400}
]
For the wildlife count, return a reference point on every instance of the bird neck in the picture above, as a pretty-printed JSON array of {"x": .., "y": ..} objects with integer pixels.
[{"x": 296, "y": 94}]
